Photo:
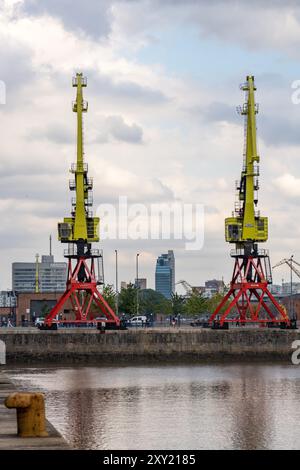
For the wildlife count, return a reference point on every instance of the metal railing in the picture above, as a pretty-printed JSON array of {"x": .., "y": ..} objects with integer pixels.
[
  {"x": 72, "y": 185},
  {"x": 72, "y": 251},
  {"x": 89, "y": 201},
  {"x": 79, "y": 167},
  {"x": 240, "y": 252},
  {"x": 89, "y": 183},
  {"x": 82, "y": 79}
]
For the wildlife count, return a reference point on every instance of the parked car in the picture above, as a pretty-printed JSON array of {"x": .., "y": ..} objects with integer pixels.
[
  {"x": 39, "y": 322},
  {"x": 138, "y": 321},
  {"x": 100, "y": 319},
  {"x": 201, "y": 321}
]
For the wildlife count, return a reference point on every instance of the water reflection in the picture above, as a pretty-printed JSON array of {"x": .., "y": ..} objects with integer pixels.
[
  {"x": 201, "y": 407},
  {"x": 252, "y": 420}
]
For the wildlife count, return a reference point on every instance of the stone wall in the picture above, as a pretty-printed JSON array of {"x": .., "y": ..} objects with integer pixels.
[{"x": 31, "y": 345}]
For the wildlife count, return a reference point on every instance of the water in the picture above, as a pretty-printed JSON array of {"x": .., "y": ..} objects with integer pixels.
[{"x": 234, "y": 406}]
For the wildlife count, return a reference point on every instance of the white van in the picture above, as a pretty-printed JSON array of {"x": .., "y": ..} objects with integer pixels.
[{"x": 138, "y": 321}]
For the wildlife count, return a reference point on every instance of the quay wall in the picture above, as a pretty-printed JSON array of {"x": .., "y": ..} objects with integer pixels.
[{"x": 24, "y": 345}]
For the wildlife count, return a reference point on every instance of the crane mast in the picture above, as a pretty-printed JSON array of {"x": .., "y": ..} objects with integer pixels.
[
  {"x": 246, "y": 226},
  {"x": 82, "y": 228},
  {"x": 79, "y": 107}
]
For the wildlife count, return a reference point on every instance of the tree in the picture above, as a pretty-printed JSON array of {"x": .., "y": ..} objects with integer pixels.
[
  {"x": 196, "y": 304},
  {"x": 153, "y": 302},
  {"x": 45, "y": 310},
  {"x": 109, "y": 295},
  {"x": 177, "y": 303},
  {"x": 214, "y": 301},
  {"x": 127, "y": 300}
]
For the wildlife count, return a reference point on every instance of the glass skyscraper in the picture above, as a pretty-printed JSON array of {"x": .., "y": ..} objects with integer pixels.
[{"x": 165, "y": 274}]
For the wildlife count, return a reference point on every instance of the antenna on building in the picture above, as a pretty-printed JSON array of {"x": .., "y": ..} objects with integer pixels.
[{"x": 50, "y": 245}]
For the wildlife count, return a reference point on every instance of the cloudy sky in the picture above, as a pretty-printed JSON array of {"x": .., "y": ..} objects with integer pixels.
[{"x": 163, "y": 86}]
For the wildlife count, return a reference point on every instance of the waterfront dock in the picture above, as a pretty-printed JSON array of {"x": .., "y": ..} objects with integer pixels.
[
  {"x": 8, "y": 427},
  {"x": 33, "y": 346}
]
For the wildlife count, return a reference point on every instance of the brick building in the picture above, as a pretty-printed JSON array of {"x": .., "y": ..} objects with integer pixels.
[
  {"x": 292, "y": 303},
  {"x": 31, "y": 305}
]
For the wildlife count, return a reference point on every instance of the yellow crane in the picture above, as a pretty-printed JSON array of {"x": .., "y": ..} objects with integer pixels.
[
  {"x": 79, "y": 231},
  {"x": 245, "y": 302}
]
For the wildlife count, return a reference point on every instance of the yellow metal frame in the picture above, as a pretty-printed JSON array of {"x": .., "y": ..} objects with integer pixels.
[
  {"x": 81, "y": 226},
  {"x": 247, "y": 225}
]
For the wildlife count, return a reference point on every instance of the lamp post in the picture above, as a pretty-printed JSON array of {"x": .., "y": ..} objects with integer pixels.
[
  {"x": 137, "y": 283},
  {"x": 9, "y": 297},
  {"x": 117, "y": 285},
  {"x": 291, "y": 301}
]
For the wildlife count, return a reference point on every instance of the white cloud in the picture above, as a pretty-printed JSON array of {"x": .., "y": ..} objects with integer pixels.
[
  {"x": 191, "y": 139},
  {"x": 289, "y": 185},
  {"x": 115, "y": 127}
]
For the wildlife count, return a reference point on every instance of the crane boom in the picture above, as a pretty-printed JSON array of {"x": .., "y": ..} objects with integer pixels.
[
  {"x": 296, "y": 262},
  {"x": 290, "y": 264},
  {"x": 283, "y": 261},
  {"x": 188, "y": 288},
  {"x": 246, "y": 226}
]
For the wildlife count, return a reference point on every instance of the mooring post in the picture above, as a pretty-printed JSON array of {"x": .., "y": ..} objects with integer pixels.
[{"x": 31, "y": 417}]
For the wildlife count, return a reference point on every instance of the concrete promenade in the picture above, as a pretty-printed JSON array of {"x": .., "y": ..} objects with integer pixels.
[{"x": 8, "y": 427}]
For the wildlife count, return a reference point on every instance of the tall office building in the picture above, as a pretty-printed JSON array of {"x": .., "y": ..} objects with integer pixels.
[
  {"x": 50, "y": 276},
  {"x": 165, "y": 274},
  {"x": 172, "y": 264}
]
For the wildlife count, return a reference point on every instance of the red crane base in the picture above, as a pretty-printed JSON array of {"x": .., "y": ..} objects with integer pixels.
[
  {"x": 249, "y": 283},
  {"x": 83, "y": 295}
]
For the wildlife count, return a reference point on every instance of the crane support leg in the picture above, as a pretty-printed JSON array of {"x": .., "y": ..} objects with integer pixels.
[
  {"x": 237, "y": 306},
  {"x": 86, "y": 301}
]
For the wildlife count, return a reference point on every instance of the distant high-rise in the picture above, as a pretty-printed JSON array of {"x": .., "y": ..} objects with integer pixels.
[
  {"x": 165, "y": 274},
  {"x": 141, "y": 283},
  {"x": 48, "y": 276},
  {"x": 215, "y": 285}
]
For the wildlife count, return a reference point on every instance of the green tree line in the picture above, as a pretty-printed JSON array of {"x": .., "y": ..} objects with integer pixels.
[{"x": 152, "y": 302}]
